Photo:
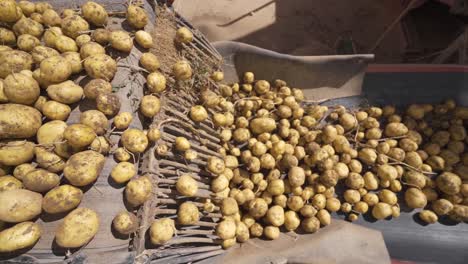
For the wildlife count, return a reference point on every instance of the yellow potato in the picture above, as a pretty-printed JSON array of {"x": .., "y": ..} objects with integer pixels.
[
  {"x": 149, "y": 61},
  {"x": 40, "y": 180},
  {"x": 41, "y": 53},
  {"x": 184, "y": 35},
  {"x": 48, "y": 160},
  {"x": 9, "y": 11},
  {"x": 134, "y": 140},
  {"x": 13, "y": 153},
  {"x": 137, "y": 16},
  {"x": 83, "y": 167},
  {"x": 109, "y": 104},
  {"x": 82, "y": 39},
  {"x": 91, "y": 48},
  {"x": 139, "y": 190},
  {"x": 79, "y": 135},
  {"x": 55, "y": 69},
  {"x": 51, "y": 18},
  {"x": 162, "y": 230},
  {"x": 3, "y": 98},
  {"x": 262, "y": 125},
  {"x": 449, "y": 183},
  {"x": 22, "y": 235},
  {"x": 123, "y": 172},
  {"x": 36, "y": 17},
  {"x": 27, "y": 7},
  {"x": 101, "y": 144},
  {"x": 182, "y": 70},
  {"x": 28, "y": 26},
  {"x": 188, "y": 214},
  {"x": 75, "y": 61},
  {"x": 100, "y": 66},
  {"x": 156, "y": 82},
  {"x": 415, "y": 198},
  {"x": 144, "y": 39},
  {"x": 21, "y": 88},
  {"x": 56, "y": 111},
  {"x": 123, "y": 120},
  {"x": 125, "y": 223},
  {"x": 22, "y": 169},
  {"x": 7, "y": 37},
  {"x": 187, "y": 186},
  {"x": 65, "y": 44},
  {"x": 101, "y": 36},
  {"x": 150, "y": 105},
  {"x": 41, "y": 7},
  {"x": 51, "y": 35},
  {"x": 96, "y": 86},
  {"x": 27, "y": 42},
  {"x": 14, "y": 61},
  {"x": 95, "y": 120},
  {"x": 77, "y": 228},
  {"x": 19, "y": 205},
  {"x": 66, "y": 92},
  {"x": 95, "y": 13},
  {"x": 9, "y": 183},
  {"x": 73, "y": 25},
  {"x": 61, "y": 199},
  {"x": 121, "y": 41}
]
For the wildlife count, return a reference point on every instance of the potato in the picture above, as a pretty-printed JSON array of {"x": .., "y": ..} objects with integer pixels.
[
  {"x": 123, "y": 120},
  {"x": 381, "y": 211},
  {"x": 415, "y": 198},
  {"x": 229, "y": 206},
  {"x": 348, "y": 121},
  {"x": 56, "y": 111},
  {"x": 19, "y": 205},
  {"x": 271, "y": 232},
  {"x": 36, "y": 17},
  {"x": 40, "y": 180},
  {"x": 81, "y": 40},
  {"x": 262, "y": 125},
  {"x": 77, "y": 228},
  {"x": 9, "y": 11},
  {"x": 21, "y": 88},
  {"x": 123, "y": 172},
  {"x": 27, "y": 42},
  {"x": 296, "y": 176},
  {"x": 137, "y": 16},
  {"x": 156, "y": 82},
  {"x": 50, "y": 36},
  {"x": 72, "y": 26},
  {"x": 97, "y": 86},
  {"x": 100, "y": 66},
  {"x": 22, "y": 169},
  {"x": 310, "y": 224},
  {"x": 94, "y": 13},
  {"x": 95, "y": 120},
  {"x": 215, "y": 165},
  {"x": 126, "y": 223},
  {"x": 275, "y": 215},
  {"x": 51, "y": 18},
  {"x": 187, "y": 186},
  {"x": 449, "y": 183},
  {"x": 109, "y": 103},
  {"x": 28, "y": 26},
  {"x": 460, "y": 212},
  {"x": 101, "y": 36},
  {"x": 10, "y": 183},
  {"x": 22, "y": 235},
  {"x": 188, "y": 214},
  {"x": 134, "y": 140},
  {"x": 395, "y": 130},
  {"x": 121, "y": 41},
  {"x": 62, "y": 199},
  {"x": 428, "y": 216},
  {"x": 139, "y": 190},
  {"x": 198, "y": 113},
  {"x": 83, "y": 167},
  {"x": 161, "y": 231},
  {"x": 442, "y": 207},
  {"x": 121, "y": 154},
  {"x": 49, "y": 160},
  {"x": 144, "y": 39},
  {"x": 66, "y": 92},
  {"x": 65, "y": 44},
  {"x": 355, "y": 181},
  {"x": 90, "y": 49},
  {"x": 14, "y": 61},
  {"x": 27, "y": 7},
  {"x": 79, "y": 135},
  {"x": 41, "y": 7},
  {"x": 41, "y": 53},
  {"x": 387, "y": 196},
  {"x": 150, "y": 105},
  {"x": 226, "y": 229},
  {"x": 55, "y": 69},
  {"x": 368, "y": 156},
  {"x": 149, "y": 61},
  {"x": 13, "y": 153},
  {"x": 182, "y": 70},
  {"x": 7, "y": 37},
  {"x": 184, "y": 35}
]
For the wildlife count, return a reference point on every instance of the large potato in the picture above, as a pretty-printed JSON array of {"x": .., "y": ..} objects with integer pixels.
[
  {"x": 14, "y": 61},
  {"x": 62, "y": 199},
  {"x": 51, "y": 35},
  {"x": 109, "y": 104},
  {"x": 20, "y": 236},
  {"x": 77, "y": 228},
  {"x": 19, "y": 121},
  {"x": 19, "y": 205},
  {"x": 66, "y": 92},
  {"x": 95, "y": 13},
  {"x": 79, "y": 135},
  {"x": 13, "y": 153},
  {"x": 134, "y": 140},
  {"x": 27, "y": 42},
  {"x": 136, "y": 16},
  {"x": 55, "y": 69},
  {"x": 121, "y": 41},
  {"x": 96, "y": 120},
  {"x": 9, "y": 11},
  {"x": 56, "y": 111},
  {"x": 83, "y": 167},
  {"x": 72, "y": 26},
  {"x": 28, "y": 26},
  {"x": 100, "y": 66},
  {"x": 21, "y": 89},
  {"x": 41, "y": 53},
  {"x": 7, "y": 37},
  {"x": 95, "y": 87},
  {"x": 49, "y": 160},
  {"x": 40, "y": 180},
  {"x": 75, "y": 61}
]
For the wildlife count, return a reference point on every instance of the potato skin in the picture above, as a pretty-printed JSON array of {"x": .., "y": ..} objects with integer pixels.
[
  {"x": 40, "y": 180},
  {"x": 96, "y": 86},
  {"x": 20, "y": 236},
  {"x": 20, "y": 88},
  {"x": 55, "y": 110},
  {"x": 109, "y": 104},
  {"x": 19, "y": 205},
  {"x": 136, "y": 16},
  {"x": 28, "y": 26},
  {"x": 77, "y": 228},
  {"x": 125, "y": 223},
  {"x": 95, "y": 13},
  {"x": 62, "y": 199},
  {"x": 13, "y": 61},
  {"x": 14, "y": 153},
  {"x": 83, "y": 167},
  {"x": 100, "y": 66},
  {"x": 55, "y": 69},
  {"x": 18, "y": 121},
  {"x": 73, "y": 25}
]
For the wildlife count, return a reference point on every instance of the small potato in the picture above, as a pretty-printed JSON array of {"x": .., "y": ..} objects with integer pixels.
[
  {"x": 100, "y": 66},
  {"x": 51, "y": 18},
  {"x": 414, "y": 178},
  {"x": 156, "y": 82},
  {"x": 387, "y": 196},
  {"x": 40, "y": 53},
  {"x": 10, "y": 183},
  {"x": 367, "y": 155},
  {"x": 182, "y": 144},
  {"x": 125, "y": 223},
  {"x": 27, "y": 7},
  {"x": 22, "y": 235},
  {"x": 108, "y": 103},
  {"x": 83, "y": 167},
  {"x": 415, "y": 198},
  {"x": 123, "y": 120},
  {"x": 182, "y": 70},
  {"x": 77, "y": 228},
  {"x": 28, "y": 26},
  {"x": 82, "y": 39},
  {"x": 442, "y": 207},
  {"x": 123, "y": 172},
  {"x": 310, "y": 224},
  {"x": 27, "y": 42},
  {"x": 271, "y": 232},
  {"x": 381, "y": 211},
  {"x": 48, "y": 160},
  {"x": 275, "y": 215},
  {"x": 95, "y": 87},
  {"x": 161, "y": 231},
  {"x": 226, "y": 229},
  {"x": 138, "y": 190},
  {"x": 13, "y": 153},
  {"x": 219, "y": 184},
  {"x": 62, "y": 199},
  {"x": 19, "y": 205},
  {"x": 449, "y": 183},
  {"x": 7, "y": 37},
  {"x": 95, "y": 120},
  {"x": 22, "y": 169},
  {"x": 144, "y": 39},
  {"x": 187, "y": 186},
  {"x": 41, "y": 7},
  {"x": 258, "y": 208},
  {"x": 14, "y": 61},
  {"x": 296, "y": 176},
  {"x": 122, "y": 154},
  {"x": 56, "y": 111},
  {"x": 149, "y": 61},
  {"x": 121, "y": 41},
  {"x": 75, "y": 61},
  {"x": 154, "y": 134},
  {"x": 198, "y": 113},
  {"x": 73, "y": 25},
  {"x": 291, "y": 220},
  {"x": 90, "y": 49},
  {"x": 262, "y": 125},
  {"x": 94, "y": 13},
  {"x": 460, "y": 212},
  {"x": 348, "y": 121},
  {"x": 188, "y": 214},
  {"x": 50, "y": 37},
  {"x": 101, "y": 36},
  {"x": 395, "y": 130},
  {"x": 55, "y": 69},
  {"x": 66, "y": 92},
  {"x": 215, "y": 165},
  {"x": 134, "y": 140},
  {"x": 137, "y": 16},
  {"x": 100, "y": 144},
  {"x": 355, "y": 181},
  {"x": 79, "y": 135},
  {"x": 428, "y": 216},
  {"x": 184, "y": 35}
]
